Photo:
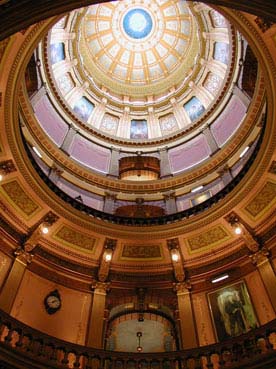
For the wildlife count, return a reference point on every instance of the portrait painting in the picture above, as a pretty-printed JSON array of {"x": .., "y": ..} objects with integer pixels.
[
  {"x": 83, "y": 108},
  {"x": 221, "y": 52},
  {"x": 57, "y": 52},
  {"x": 194, "y": 108},
  {"x": 138, "y": 129},
  {"x": 232, "y": 311}
]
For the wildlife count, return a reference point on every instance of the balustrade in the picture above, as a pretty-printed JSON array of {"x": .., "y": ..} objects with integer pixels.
[{"x": 16, "y": 338}]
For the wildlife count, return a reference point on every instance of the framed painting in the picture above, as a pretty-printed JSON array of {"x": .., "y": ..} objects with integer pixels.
[
  {"x": 194, "y": 108},
  {"x": 57, "y": 52},
  {"x": 232, "y": 311},
  {"x": 83, "y": 108},
  {"x": 138, "y": 129}
]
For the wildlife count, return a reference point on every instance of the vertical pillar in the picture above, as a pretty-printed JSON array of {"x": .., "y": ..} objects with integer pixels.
[
  {"x": 211, "y": 140},
  {"x": 38, "y": 95},
  {"x": 12, "y": 284},
  {"x": 96, "y": 327},
  {"x": 68, "y": 139},
  {"x": 114, "y": 163},
  {"x": 165, "y": 163},
  {"x": 170, "y": 202},
  {"x": 242, "y": 95},
  {"x": 262, "y": 261},
  {"x": 186, "y": 318},
  {"x": 225, "y": 175},
  {"x": 109, "y": 201}
]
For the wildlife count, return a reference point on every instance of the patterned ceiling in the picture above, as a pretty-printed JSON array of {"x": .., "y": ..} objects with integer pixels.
[
  {"x": 137, "y": 43},
  {"x": 138, "y": 69}
]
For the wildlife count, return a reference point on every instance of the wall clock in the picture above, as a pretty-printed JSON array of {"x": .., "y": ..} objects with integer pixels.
[{"x": 52, "y": 302}]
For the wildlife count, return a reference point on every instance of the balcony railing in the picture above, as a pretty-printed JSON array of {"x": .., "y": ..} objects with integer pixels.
[{"x": 24, "y": 347}]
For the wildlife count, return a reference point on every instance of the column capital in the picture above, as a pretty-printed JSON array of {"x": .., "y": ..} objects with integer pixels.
[
  {"x": 100, "y": 287},
  {"x": 182, "y": 287},
  {"x": 260, "y": 256},
  {"x": 23, "y": 256}
]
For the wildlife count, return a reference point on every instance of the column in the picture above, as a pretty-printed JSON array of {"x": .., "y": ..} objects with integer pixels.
[
  {"x": 109, "y": 201},
  {"x": 68, "y": 139},
  {"x": 98, "y": 113},
  {"x": 12, "y": 284},
  {"x": 165, "y": 166},
  {"x": 170, "y": 202},
  {"x": 225, "y": 175},
  {"x": 114, "y": 163},
  {"x": 153, "y": 124},
  {"x": 38, "y": 95},
  {"x": 241, "y": 95},
  {"x": 211, "y": 140},
  {"x": 186, "y": 318},
  {"x": 262, "y": 262},
  {"x": 97, "y": 318}
]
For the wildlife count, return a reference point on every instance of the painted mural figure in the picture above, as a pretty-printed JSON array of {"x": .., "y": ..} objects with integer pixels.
[
  {"x": 233, "y": 307},
  {"x": 232, "y": 310}
]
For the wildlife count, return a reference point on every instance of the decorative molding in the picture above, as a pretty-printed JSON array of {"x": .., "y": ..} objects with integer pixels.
[
  {"x": 263, "y": 201},
  {"x": 210, "y": 238},
  {"x": 75, "y": 238},
  {"x": 144, "y": 251},
  {"x": 20, "y": 198}
]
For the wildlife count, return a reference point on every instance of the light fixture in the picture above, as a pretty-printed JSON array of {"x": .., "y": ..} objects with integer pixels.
[
  {"x": 139, "y": 347},
  {"x": 37, "y": 152},
  {"x": 175, "y": 256},
  {"x": 1, "y": 177},
  {"x": 108, "y": 256},
  {"x": 220, "y": 278},
  {"x": 244, "y": 151},
  {"x": 196, "y": 189},
  {"x": 44, "y": 229},
  {"x": 238, "y": 230}
]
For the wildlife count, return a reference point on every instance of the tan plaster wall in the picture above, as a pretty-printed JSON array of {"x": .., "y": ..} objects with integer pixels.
[
  {"x": 5, "y": 264},
  {"x": 259, "y": 297},
  {"x": 69, "y": 323},
  {"x": 204, "y": 325}
]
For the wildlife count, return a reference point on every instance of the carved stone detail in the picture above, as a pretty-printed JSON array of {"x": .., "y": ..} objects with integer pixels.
[
  {"x": 260, "y": 256},
  {"x": 24, "y": 256},
  {"x": 182, "y": 287},
  {"x": 101, "y": 287}
]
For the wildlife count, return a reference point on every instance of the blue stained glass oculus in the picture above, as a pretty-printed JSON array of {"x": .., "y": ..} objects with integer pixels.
[{"x": 137, "y": 23}]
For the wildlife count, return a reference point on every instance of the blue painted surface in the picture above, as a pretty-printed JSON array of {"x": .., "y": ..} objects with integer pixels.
[{"x": 137, "y": 23}]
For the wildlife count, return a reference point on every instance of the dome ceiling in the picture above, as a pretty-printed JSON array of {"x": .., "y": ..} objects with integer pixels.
[{"x": 140, "y": 70}]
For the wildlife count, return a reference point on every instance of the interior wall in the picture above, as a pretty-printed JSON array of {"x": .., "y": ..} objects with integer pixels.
[
  {"x": 205, "y": 331},
  {"x": 259, "y": 297},
  {"x": 69, "y": 323},
  {"x": 5, "y": 265}
]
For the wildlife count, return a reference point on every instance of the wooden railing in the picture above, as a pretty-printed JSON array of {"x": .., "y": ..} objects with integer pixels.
[{"x": 24, "y": 347}]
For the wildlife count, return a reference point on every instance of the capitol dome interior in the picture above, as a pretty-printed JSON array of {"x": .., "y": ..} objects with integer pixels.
[{"x": 138, "y": 184}]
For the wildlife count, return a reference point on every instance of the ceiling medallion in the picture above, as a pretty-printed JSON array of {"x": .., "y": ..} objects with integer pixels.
[{"x": 137, "y": 23}]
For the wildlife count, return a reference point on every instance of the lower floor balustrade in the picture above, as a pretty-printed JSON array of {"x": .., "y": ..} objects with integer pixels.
[{"x": 24, "y": 347}]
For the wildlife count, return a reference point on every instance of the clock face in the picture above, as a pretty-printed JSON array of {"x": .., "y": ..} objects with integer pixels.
[{"x": 53, "y": 302}]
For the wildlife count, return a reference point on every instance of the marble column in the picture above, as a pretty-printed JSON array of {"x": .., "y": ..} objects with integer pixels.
[
  {"x": 262, "y": 261},
  {"x": 186, "y": 317},
  {"x": 109, "y": 201},
  {"x": 225, "y": 175},
  {"x": 68, "y": 139},
  {"x": 170, "y": 202},
  {"x": 13, "y": 281},
  {"x": 114, "y": 163},
  {"x": 95, "y": 336},
  {"x": 165, "y": 163},
  {"x": 211, "y": 140}
]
